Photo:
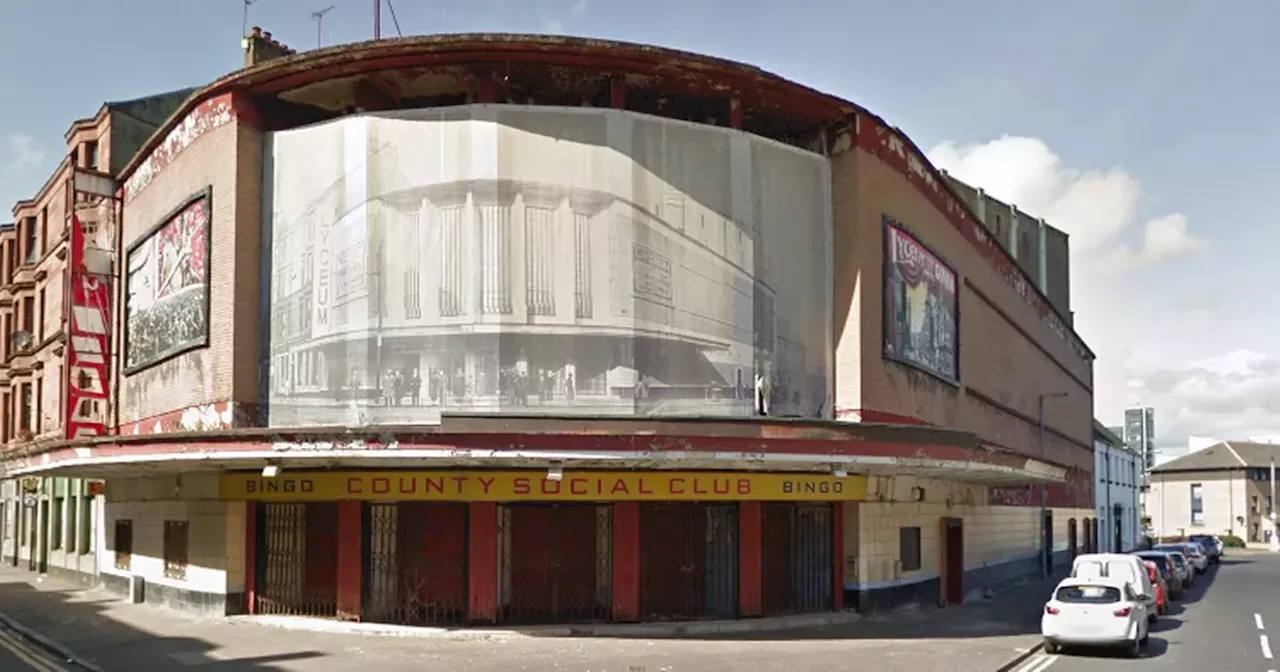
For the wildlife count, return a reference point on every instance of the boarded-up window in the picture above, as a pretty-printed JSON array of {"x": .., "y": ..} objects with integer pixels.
[
  {"x": 123, "y": 545},
  {"x": 909, "y": 548},
  {"x": 175, "y": 549}
]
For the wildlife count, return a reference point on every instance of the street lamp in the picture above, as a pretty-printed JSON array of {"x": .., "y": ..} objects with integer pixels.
[{"x": 1046, "y": 551}]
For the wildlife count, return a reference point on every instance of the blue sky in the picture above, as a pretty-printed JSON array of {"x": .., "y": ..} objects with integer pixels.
[{"x": 1144, "y": 128}]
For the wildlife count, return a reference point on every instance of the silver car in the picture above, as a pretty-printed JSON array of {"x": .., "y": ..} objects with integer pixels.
[{"x": 1185, "y": 569}]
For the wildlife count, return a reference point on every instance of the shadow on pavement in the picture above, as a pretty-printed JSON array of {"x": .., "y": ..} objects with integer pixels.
[
  {"x": 1156, "y": 647},
  {"x": 104, "y": 641},
  {"x": 1013, "y": 612}
]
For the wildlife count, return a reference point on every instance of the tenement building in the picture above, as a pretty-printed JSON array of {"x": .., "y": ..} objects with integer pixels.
[{"x": 508, "y": 329}]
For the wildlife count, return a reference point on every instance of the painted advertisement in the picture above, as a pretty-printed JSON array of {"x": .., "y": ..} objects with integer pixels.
[
  {"x": 921, "y": 305},
  {"x": 516, "y": 486},
  {"x": 167, "y": 280},
  {"x": 501, "y": 259}
]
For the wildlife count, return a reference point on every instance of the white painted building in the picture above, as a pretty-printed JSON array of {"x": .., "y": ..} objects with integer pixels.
[{"x": 1117, "y": 479}]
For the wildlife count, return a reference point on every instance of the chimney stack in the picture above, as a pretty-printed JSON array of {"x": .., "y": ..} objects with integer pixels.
[{"x": 259, "y": 47}]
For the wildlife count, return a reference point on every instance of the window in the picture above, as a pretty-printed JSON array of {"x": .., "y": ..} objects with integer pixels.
[
  {"x": 1197, "y": 504},
  {"x": 24, "y": 413},
  {"x": 123, "y": 544},
  {"x": 39, "y": 335},
  {"x": 1253, "y": 505},
  {"x": 32, "y": 240},
  {"x": 909, "y": 548},
  {"x": 55, "y": 523},
  {"x": 91, "y": 155},
  {"x": 175, "y": 549},
  {"x": 28, "y": 314},
  {"x": 38, "y": 421}
]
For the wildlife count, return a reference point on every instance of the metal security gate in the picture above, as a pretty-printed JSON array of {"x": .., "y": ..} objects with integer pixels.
[
  {"x": 297, "y": 561},
  {"x": 555, "y": 563},
  {"x": 799, "y": 548},
  {"x": 381, "y": 585},
  {"x": 415, "y": 563},
  {"x": 689, "y": 567}
]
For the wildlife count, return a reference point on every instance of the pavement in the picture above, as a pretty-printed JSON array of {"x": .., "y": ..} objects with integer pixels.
[
  {"x": 99, "y": 632},
  {"x": 1228, "y": 621},
  {"x": 19, "y": 654}
]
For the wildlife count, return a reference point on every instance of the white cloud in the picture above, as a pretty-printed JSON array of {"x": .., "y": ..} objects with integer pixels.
[
  {"x": 1139, "y": 330},
  {"x": 21, "y": 153}
]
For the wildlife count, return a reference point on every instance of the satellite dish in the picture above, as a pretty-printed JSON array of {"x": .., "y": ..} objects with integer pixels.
[{"x": 21, "y": 340}]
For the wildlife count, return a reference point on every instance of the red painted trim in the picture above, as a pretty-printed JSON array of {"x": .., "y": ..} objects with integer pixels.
[
  {"x": 251, "y": 557},
  {"x": 750, "y": 559},
  {"x": 482, "y": 562},
  {"x": 837, "y": 562},
  {"x": 626, "y": 562},
  {"x": 350, "y": 562}
]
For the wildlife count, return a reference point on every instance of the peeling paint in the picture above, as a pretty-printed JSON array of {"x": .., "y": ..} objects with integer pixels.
[
  {"x": 199, "y": 418},
  {"x": 209, "y": 115}
]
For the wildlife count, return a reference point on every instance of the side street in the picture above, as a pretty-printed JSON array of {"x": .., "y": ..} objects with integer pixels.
[{"x": 99, "y": 631}]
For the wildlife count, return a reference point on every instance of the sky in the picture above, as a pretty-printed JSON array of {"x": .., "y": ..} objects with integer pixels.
[{"x": 1145, "y": 129}]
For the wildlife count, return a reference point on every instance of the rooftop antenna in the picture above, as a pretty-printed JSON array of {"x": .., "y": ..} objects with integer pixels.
[
  {"x": 244, "y": 29},
  {"x": 319, "y": 17}
]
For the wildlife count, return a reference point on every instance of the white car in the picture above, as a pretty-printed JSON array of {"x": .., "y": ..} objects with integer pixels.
[{"x": 1096, "y": 612}]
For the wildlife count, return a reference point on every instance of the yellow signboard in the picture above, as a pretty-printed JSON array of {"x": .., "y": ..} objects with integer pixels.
[{"x": 524, "y": 486}]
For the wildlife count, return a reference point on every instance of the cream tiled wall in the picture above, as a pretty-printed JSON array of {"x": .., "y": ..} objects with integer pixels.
[
  {"x": 992, "y": 534},
  {"x": 215, "y": 554}
]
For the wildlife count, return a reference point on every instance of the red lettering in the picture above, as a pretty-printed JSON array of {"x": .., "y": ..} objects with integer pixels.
[
  {"x": 620, "y": 486},
  {"x": 549, "y": 489},
  {"x": 459, "y": 480},
  {"x": 715, "y": 485},
  {"x": 381, "y": 486},
  {"x": 643, "y": 490},
  {"x": 599, "y": 486},
  {"x": 520, "y": 486},
  {"x": 354, "y": 485},
  {"x": 436, "y": 484},
  {"x": 412, "y": 485},
  {"x": 575, "y": 482},
  {"x": 697, "y": 487},
  {"x": 485, "y": 483},
  {"x": 744, "y": 486},
  {"x": 671, "y": 486}
]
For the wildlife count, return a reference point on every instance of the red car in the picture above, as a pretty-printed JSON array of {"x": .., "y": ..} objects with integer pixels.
[{"x": 1158, "y": 581}]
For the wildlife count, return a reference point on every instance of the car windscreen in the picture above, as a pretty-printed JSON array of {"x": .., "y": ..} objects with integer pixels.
[
  {"x": 1204, "y": 541},
  {"x": 1088, "y": 594},
  {"x": 1161, "y": 562}
]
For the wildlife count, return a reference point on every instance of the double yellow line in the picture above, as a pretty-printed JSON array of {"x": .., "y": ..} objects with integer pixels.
[{"x": 23, "y": 651}]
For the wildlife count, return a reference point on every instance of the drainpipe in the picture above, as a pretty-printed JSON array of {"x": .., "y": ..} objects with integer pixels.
[{"x": 1111, "y": 514}]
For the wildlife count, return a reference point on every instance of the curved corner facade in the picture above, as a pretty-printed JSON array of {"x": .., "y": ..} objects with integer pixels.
[
  {"x": 611, "y": 362},
  {"x": 508, "y": 259}
]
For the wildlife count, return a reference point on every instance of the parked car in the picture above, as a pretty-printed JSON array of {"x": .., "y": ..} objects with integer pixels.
[
  {"x": 1197, "y": 555},
  {"x": 1183, "y": 565},
  {"x": 1122, "y": 567},
  {"x": 1211, "y": 544},
  {"x": 1168, "y": 571},
  {"x": 1162, "y": 591},
  {"x": 1091, "y": 611}
]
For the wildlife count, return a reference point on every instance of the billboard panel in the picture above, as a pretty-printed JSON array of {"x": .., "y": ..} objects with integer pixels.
[
  {"x": 564, "y": 261},
  {"x": 921, "y": 305},
  {"x": 167, "y": 280}
]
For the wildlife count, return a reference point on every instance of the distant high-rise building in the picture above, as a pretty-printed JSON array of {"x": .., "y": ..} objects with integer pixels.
[{"x": 1140, "y": 433}]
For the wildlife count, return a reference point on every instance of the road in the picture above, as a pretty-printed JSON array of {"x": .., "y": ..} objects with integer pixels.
[
  {"x": 19, "y": 655},
  {"x": 1230, "y": 621}
]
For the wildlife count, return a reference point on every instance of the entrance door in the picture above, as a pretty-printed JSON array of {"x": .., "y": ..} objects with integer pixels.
[
  {"x": 1117, "y": 522},
  {"x": 952, "y": 534}
]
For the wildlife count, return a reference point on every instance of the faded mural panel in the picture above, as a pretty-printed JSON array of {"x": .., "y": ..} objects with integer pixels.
[
  {"x": 921, "y": 305},
  {"x": 502, "y": 259},
  {"x": 167, "y": 280}
]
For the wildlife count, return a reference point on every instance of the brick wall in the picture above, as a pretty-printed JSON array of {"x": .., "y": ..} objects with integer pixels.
[
  {"x": 228, "y": 159},
  {"x": 998, "y": 362}
]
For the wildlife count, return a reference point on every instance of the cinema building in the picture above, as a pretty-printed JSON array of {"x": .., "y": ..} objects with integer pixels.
[{"x": 479, "y": 329}]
